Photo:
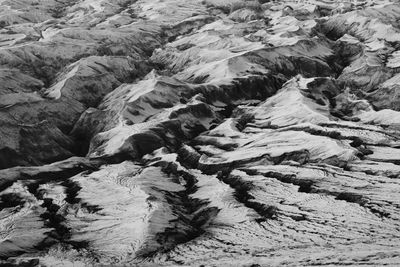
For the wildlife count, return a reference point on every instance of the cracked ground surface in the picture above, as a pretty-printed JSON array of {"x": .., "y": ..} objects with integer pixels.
[{"x": 199, "y": 133}]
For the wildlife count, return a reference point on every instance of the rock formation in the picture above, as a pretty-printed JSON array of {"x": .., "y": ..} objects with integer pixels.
[{"x": 199, "y": 133}]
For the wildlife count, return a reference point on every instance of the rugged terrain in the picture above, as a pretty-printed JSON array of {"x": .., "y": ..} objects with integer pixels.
[{"x": 199, "y": 133}]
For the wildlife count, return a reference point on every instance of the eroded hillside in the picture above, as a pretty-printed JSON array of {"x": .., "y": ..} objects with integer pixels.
[{"x": 214, "y": 133}]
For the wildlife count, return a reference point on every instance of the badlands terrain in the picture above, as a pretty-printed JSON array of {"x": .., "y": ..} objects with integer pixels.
[{"x": 199, "y": 133}]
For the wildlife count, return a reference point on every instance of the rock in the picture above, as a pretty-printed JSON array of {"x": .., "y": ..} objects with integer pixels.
[
  {"x": 386, "y": 96},
  {"x": 90, "y": 79},
  {"x": 244, "y": 15},
  {"x": 199, "y": 133}
]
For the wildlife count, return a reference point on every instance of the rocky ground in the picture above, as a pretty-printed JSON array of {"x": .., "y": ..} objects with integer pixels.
[{"x": 199, "y": 133}]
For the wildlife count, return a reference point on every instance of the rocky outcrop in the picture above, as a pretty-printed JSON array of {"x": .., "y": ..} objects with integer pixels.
[{"x": 197, "y": 133}]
